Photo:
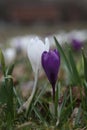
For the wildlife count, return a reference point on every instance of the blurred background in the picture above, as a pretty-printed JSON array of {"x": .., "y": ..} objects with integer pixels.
[
  {"x": 43, "y": 17},
  {"x": 45, "y": 11}
]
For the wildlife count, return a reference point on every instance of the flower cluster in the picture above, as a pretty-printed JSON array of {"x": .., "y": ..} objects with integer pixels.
[{"x": 40, "y": 55}]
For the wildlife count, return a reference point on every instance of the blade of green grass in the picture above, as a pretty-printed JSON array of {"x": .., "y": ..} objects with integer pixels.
[
  {"x": 9, "y": 70},
  {"x": 41, "y": 93},
  {"x": 2, "y": 61},
  {"x": 40, "y": 117},
  {"x": 85, "y": 65},
  {"x": 62, "y": 54},
  {"x": 75, "y": 74}
]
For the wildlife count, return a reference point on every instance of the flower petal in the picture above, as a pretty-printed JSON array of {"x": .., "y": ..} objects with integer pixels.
[
  {"x": 51, "y": 63},
  {"x": 35, "y": 49}
]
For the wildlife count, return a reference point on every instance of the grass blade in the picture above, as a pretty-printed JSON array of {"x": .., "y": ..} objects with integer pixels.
[
  {"x": 2, "y": 61},
  {"x": 75, "y": 74},
  {"x": 62, "y": 54},
  {"x": 85, "y": 65}
]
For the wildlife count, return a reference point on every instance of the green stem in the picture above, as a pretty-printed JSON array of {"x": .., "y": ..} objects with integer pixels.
[
  {"x": 71, "y": 98},
  {"x": 53, "y": 87},
  {"x": 16, "y": 95}
]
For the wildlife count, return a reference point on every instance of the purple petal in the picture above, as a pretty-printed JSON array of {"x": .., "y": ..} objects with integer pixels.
[{"x": 51, "y": 63}]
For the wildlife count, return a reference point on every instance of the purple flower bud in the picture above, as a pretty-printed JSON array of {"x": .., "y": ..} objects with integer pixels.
[
  {"x": 51, "y": 64},
  {"x": 76, "y": 44}
]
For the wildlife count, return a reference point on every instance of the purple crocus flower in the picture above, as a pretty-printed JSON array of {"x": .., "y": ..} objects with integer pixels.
[
  {"x": 51, "y": 64},
  {"x": 76, "y": 44}
]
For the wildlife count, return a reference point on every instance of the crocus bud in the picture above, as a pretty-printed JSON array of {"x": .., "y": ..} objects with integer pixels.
[
  {"x": 35, "y": 49},
  {"x": 51, "y": 64}
]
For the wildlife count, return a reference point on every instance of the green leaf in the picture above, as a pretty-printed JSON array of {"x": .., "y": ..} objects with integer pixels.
[
  {"x": 85, "y": 65},
  {"x": 41, "y": 93},
  {"x": 61, "y": 51},
  {"x": 85, "y": 87},
  {"x": 38, "y": 114},
  {"x": 3, "y": 93},
  {"x": 75, "y": 74},
  {"x": 2, "y": 61},
  {"x": 10, "y": 69},
  {"x": 66, "y": 110},
  {"x": 9, "y": 86},
  {"x": 6, "y": 97},
  {"x": 65, "y": 99}
]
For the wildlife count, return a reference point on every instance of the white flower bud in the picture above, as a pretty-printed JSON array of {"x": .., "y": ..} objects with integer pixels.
[{"x": 35, "y": 49}]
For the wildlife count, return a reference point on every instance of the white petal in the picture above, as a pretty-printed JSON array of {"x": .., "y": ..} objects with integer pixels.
[
  {"x": 47, "y": 44},
  {"x": 35, "y": 50}
]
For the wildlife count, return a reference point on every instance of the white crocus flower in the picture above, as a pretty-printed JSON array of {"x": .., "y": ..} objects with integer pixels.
[{"x": 34, "y": 50}]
